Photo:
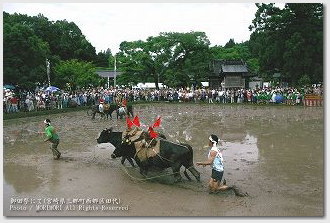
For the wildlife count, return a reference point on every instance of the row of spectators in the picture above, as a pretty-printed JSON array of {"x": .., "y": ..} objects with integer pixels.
[{"x": 39, "y": 100}]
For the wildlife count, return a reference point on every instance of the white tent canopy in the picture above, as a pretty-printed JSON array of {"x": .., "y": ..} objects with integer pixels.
[{"x": 148, "y": 86}]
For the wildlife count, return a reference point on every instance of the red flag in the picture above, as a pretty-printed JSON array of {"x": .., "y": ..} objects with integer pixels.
[
  {"x": 157, "y": 123},
  {"x": 152, "y": 133},
  {"x": 136, "y": 121},
  {"x": 129, "y": 122}
]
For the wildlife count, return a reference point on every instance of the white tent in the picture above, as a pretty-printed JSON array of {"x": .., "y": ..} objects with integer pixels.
[
  {"x": 205, "y": 84},
  {"x": 148, "y": 86}
]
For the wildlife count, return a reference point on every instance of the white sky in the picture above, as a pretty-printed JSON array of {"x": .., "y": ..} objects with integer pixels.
[{"x": 106, "y": 25}]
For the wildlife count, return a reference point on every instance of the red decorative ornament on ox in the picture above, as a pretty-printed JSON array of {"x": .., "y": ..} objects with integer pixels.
[
  {"x": 157, "y": 123},
  {"x": 130, "y": 123},
  {"x": 136, "y": 121},
  {"x": 152, "y": 133}
]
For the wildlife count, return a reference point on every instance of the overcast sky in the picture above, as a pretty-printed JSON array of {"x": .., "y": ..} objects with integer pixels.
[{"x": 106, "y": 25}]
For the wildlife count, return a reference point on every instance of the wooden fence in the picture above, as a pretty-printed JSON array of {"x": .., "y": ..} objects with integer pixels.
[{"x": 313, "y": 100}]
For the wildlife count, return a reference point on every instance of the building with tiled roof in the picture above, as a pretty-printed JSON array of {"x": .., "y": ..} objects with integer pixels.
[{"x": 228, "y": 74}]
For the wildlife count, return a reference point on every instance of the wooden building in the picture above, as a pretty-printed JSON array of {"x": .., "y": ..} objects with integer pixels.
[{"x": 228, "y": 74}]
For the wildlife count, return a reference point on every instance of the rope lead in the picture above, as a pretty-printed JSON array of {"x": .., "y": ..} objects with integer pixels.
[{"x": 149, "y": 178}]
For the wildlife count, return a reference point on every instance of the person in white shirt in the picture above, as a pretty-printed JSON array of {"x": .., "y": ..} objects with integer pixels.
[{"x": 215, "y": 160}]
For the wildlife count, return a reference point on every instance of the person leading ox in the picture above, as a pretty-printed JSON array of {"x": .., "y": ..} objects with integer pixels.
[{"x": 215, "y": 160}]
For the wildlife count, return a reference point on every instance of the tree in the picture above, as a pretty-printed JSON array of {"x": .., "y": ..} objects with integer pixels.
[
  {"x": 143, "y": 61},
  {"x": 132, "y": 61},
  {"x": 176, "y": 59},
  {"x": 104, "y": 59},
  {"x": 76, "y": 74},
  {"x": 190, "y": 56},
  {"x": 289, "y": 40},
  {"x": 231, "y": 43},
  {"x": 70, "y": 43},
  {"x": 24, "y": 56},
  {"x": 28, "y": 41},
  {"x": 238, "y": 51}
]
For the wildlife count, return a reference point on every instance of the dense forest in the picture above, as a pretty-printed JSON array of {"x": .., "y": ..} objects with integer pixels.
[{"x": 287, "y": 41}]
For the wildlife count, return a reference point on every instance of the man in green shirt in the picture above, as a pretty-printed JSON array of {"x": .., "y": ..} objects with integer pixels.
[{"x": 53, "y": 138}]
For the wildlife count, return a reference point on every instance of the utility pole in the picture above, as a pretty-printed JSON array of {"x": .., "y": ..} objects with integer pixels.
[
  {"x": 114, "y": 79},
  {"x": 48, "y": 70},
  {"x": 109, "y": 68}
]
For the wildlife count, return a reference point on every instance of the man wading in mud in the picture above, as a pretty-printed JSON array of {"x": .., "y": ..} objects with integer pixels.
[
  {"x": 53, "y": 138},
  {"x": 215, "y": 160}
]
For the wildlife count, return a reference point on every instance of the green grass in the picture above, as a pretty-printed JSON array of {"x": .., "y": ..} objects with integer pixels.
[{"x": 7, "y": 116}]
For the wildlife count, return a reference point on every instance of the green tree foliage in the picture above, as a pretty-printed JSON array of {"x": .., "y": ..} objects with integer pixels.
[
  {"x": 190, "y": 57},
  {"x": 24, "y": 55},
  {"x": 289, "y": 40},
  {"x": 230, "y": 43},
  {"x": 132, "y": 61},
  {"x": 76, "y": 74},
  {"x": 28, "y": 41},
  {"x": 176, "y": 59},
  {"x": 102, "y": 59},
  {"x": 238, "y": 51},
  {"x": 70, "y": 43}
]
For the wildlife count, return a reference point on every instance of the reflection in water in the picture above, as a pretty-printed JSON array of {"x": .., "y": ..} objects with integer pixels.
[
  {"x": 22, "y": 178},
  {"x": 246, "y": 149}
]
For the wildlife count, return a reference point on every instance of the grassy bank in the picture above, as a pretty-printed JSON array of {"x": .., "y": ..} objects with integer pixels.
[{"x": 7, "y": 116}]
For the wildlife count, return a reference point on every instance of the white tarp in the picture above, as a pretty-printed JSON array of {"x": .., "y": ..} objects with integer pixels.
[{"x": 148, "y": 85}]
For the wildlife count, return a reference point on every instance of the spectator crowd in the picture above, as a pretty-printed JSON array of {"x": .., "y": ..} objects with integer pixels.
[{"x": 41, "y": 100}]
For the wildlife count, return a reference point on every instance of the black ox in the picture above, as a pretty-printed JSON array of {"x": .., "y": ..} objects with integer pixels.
[
  {"x": 171, "y": 155},
  {"x": 115, "y": 138},
  {"x": 108, "y": 110}
]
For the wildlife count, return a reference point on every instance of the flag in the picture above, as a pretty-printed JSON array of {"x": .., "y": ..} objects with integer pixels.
[
  {"x": 157, "y": 123},
  {"x": 152, "y": 133},
  {"x": 129, "y": 123},
  {"x": 136, "y": 121}
]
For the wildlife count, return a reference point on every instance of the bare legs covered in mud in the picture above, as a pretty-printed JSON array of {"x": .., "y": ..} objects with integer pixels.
[{"x": 216, "y": 187}]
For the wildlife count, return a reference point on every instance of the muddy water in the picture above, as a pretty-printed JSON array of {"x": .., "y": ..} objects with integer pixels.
[{"x": 275, "y": 154}]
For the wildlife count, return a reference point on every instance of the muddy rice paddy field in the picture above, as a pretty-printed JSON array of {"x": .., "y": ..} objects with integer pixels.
[{"x": 273, "y": 153}]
